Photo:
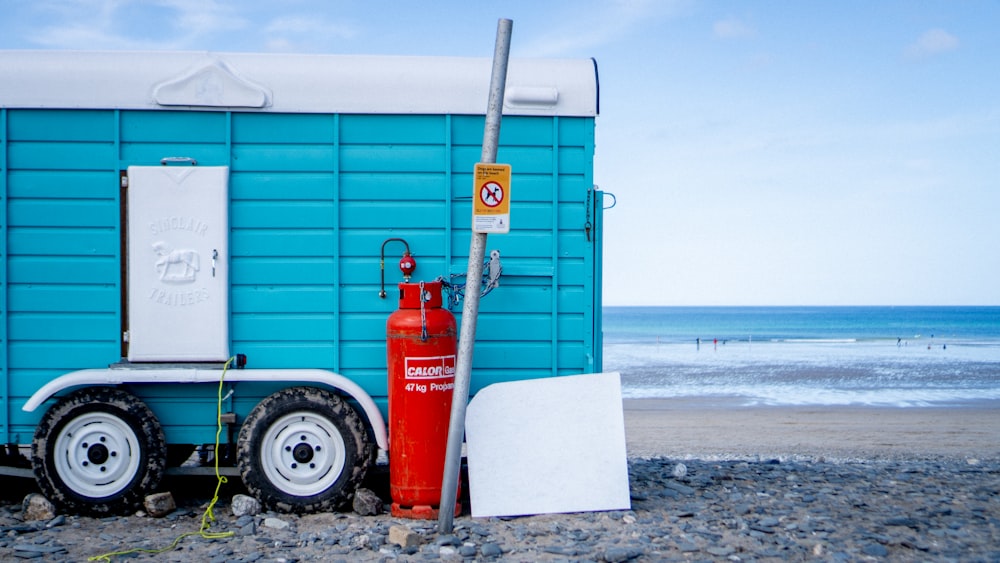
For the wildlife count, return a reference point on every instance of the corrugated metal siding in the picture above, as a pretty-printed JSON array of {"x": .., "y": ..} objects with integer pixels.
[
  {"x": 313, "y": 198},
  {"x": 283, "y": 245},
  {"x": 5, "y": 404},
  {"x": 63, "y": 301}
]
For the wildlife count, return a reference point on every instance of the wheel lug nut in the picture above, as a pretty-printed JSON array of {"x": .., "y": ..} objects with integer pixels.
[
  {"x": 85, "y": 445},
  {"x": 288, "y": 448},
  {"x": 312, "y": 466},
  {"x": 295, "y": 466}
]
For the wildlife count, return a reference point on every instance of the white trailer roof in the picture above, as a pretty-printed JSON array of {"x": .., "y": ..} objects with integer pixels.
[{"x": 291, "y": 83}]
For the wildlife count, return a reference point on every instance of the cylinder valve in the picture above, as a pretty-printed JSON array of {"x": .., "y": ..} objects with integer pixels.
[{"x": 407, "y": 265}]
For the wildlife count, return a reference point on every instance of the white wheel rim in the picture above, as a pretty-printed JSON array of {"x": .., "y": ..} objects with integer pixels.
[
  {"x": 97, "y": 455},
  {"x": 302, "y": 454}
]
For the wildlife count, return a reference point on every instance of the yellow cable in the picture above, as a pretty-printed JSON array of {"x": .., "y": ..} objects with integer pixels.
[{"x": 207, "y": 517}]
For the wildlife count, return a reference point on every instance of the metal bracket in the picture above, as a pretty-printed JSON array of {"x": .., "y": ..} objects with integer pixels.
[
  {"x": 614, "y": 200},
  {"x": 178, "y": 160}
]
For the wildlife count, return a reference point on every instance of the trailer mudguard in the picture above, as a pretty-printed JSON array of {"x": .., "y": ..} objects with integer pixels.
[{"x": 119, "y": 376}]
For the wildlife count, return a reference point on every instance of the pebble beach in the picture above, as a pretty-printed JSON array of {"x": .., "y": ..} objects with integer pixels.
[{"x": 743, "y": 484}]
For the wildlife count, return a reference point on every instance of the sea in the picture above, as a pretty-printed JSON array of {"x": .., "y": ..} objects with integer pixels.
[{"x": 878, "y": 356}]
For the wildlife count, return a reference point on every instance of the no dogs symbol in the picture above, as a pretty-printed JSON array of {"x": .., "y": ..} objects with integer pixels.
[{"x": 491, "y": 194}]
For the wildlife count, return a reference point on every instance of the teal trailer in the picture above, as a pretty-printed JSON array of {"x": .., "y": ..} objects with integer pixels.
[{"x": 188, "y": 230}]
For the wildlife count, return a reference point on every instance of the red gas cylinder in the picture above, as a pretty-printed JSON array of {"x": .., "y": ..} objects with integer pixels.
[{"x": 421, "y": 347}]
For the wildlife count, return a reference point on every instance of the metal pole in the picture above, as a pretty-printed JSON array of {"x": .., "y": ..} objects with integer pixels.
[{"x": 473, "y": 277}]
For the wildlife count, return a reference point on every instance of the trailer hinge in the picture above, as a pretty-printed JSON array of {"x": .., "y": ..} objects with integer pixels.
[
  {"x": 125, "y": 336},
  {"x": 587, "y": 225},
  {"x": 124, "y": 181}
]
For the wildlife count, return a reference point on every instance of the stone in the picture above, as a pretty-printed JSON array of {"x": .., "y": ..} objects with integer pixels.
[
  {"x": 248, "y": 529},
  {"x": 903, "y": 521},
  {"x": 276, "y": 523},
  {"x": 875, "y": 550},
  {"x": 44, "y": 549},
  {"x": 619, "y": 554},
  {"x": 37, "y": 507},
  {"x": 491, "y": 550},
  {"x": 769, "y": 522},
  {"x": 245, "y": 505},
  {"x": 376, "y": 541},
  {"x": 159, "y": 505},
  {"x": 448, "y": 539},
  {"x": 367, "y": 503},
  {"x": 680, "y": 488},
  {"x": 403, "y": 536}
]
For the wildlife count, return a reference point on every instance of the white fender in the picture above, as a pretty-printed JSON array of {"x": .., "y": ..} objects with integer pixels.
[{"x": 117, "y": 376}]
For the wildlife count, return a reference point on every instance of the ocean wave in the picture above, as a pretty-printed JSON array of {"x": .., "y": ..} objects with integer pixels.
[
  {"x": 816, "y": 340},
  {"x": 811, "y": 396}
]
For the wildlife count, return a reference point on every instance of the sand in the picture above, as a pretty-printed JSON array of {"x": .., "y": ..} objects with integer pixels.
[{"x": 700, "y": 429}]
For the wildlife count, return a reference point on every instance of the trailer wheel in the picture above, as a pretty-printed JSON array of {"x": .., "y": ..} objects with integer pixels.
[
  {"x": 303, "y": 449},
  {"x": 98, "y": 451}
]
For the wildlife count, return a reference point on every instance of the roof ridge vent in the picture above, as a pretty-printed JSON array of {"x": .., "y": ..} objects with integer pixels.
[
  {"x": 212, "y": 84},
  {"x": 542, "y": 96}
]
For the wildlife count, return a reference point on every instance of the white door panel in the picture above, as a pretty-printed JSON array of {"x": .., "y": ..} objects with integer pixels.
[{"x": 178, "y": 267}]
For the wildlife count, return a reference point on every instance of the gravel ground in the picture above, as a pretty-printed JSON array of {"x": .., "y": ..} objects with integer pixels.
[{"x": 690, "y": 510}]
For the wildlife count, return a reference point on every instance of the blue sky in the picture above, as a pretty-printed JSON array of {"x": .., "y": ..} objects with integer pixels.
[{"x": 761, "y": 153}]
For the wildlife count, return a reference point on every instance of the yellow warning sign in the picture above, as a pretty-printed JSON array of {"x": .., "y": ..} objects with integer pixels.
[{"x": 491, "y": 198}]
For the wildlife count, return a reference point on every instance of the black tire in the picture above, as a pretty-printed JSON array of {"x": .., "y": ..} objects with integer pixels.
[
  {"x": 98, "y": 451},
  {"x": 302, "y": 450}
]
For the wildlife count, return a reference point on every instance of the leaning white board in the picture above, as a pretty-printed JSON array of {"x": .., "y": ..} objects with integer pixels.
[
  {"x": 549, "y": 445},
  {"x": 178, "y": 274}
]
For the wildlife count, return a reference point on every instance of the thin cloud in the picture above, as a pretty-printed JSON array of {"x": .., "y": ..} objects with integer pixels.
[
  {"x": 205, "y": 17},
  {"x": 308, "y": 24},
  {"x": 75, "y": 25},
  {"x": 585, "y": 30},
  {"x": 932, "y": 42},
  {"x": 111, "y": 24},
  {"x": 733, "y": 28},
  {"x": 301, "y": 33}
]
